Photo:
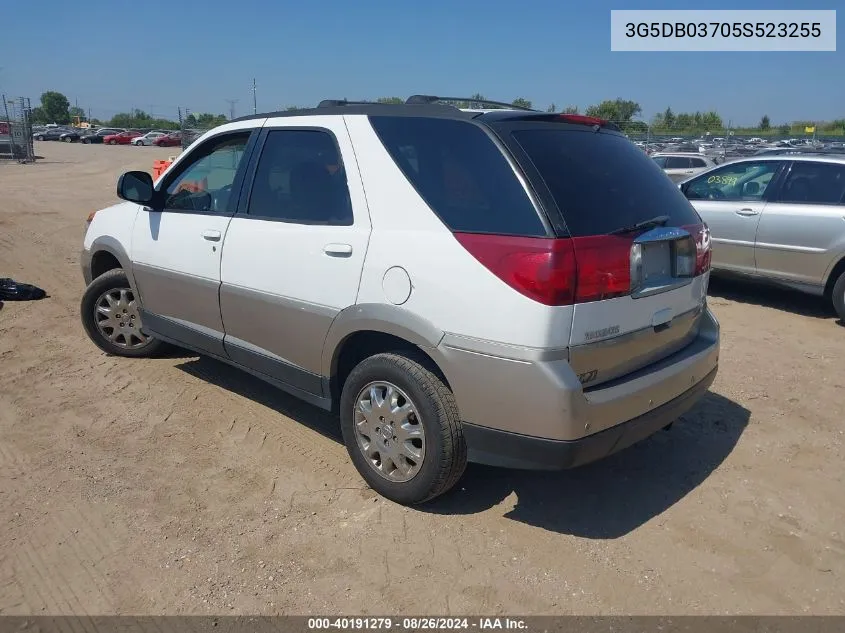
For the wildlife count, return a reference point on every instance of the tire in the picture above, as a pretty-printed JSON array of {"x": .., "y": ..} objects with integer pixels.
[
  {"x": 116, "y": 282},
  {"x": 434, "y": 412},
  {"x": 86, "y": 141},
  {"x": 67, "y": 139},
  {"x": 112, "y": 142},
  {"x": 838, "y": 296}
]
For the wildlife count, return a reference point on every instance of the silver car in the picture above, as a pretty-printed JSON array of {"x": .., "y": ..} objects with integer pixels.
[
  {"x": 681, "y": 165},
  {"x": 778, "y": 218}
]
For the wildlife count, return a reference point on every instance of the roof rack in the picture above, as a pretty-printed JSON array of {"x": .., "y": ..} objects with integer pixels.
[
  {"x": 333, "y": 103},
  {"x": 427, "y": 99}
]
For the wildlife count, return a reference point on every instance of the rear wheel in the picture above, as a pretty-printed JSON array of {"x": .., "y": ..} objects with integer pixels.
[
  {"x": 838, "y": 296},
  {"x": 111, "y": 317},
  {"x": 112, "y": 142},
  {"x": 401, "y": 428},
  {"x": 67, "y": 139},
  {"x": 86, "y": 141}
]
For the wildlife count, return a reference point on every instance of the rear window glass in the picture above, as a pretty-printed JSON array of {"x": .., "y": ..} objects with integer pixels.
[
  {"x": 461, "y": 174},
  {"x": 601, "y": 181}
]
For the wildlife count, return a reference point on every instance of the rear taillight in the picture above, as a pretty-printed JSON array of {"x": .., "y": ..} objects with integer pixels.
[
  {"x": 701, "y": 234},
  {"x": 556, "y": 271}
]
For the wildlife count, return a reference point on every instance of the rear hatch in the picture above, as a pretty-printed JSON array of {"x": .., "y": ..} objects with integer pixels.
[{"x": 641, "y": 252}]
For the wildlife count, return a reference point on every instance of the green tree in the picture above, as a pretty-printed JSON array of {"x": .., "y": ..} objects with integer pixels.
[
  {"x": 56, "y": 107},
  {"x": 784, "y": 129},
  {"x": 711, "y": 121},
  {"x": 838, "y": 124},
  {"x": 38, "y": 116},
  {"x": 391, "y": 100},
  {"x": 765, "y": 124},
  {"x": 571, "y": 109},
  {"x": 669, "y": 118},
  {"x": 684, "y": 121},
  {"x": 520, "y": 102},
  {"x": 552, "y": 108},
  {"x": 205, "y": 120},
  {"x": 140, "y": 119},
  {"x": 618, "y": 110}
]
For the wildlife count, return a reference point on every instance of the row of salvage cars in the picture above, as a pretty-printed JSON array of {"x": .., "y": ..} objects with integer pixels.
[{"x": 111, "y": 136}]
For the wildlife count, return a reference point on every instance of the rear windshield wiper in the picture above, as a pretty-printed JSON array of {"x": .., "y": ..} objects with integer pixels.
[{"x": 659, "y": 220}]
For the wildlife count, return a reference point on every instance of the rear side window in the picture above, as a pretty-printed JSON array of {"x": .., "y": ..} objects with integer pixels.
[
  {"x": 677, "y": 162},
  {"x": 300, "y": 179},
  {"x": 815, "y": 183},
  {"x": 697, "y": 162},
  {"x": 660, "y": 161},
  {"x": 602, "y": 181},
  {"x": 461, "y": 174}
]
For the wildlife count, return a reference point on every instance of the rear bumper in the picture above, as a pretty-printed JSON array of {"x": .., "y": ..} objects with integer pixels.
[
  {"x": 532, "y": 400},
  {"x": 511, "y": 450}
]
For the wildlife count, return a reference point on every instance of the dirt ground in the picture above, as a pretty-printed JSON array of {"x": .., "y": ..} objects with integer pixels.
[{"x": 179, "y": 485}]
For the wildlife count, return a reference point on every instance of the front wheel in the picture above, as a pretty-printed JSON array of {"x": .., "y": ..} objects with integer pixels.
[
  {"x": 111, "y": 317},
  {"x": 838, "y": 296},
  {"x": 401, "y": 427}
]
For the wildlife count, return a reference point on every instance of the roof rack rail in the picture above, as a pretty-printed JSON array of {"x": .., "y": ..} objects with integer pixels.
[
  {"x": 332, "y": 103},
  {"x": 423, "y": 99}
]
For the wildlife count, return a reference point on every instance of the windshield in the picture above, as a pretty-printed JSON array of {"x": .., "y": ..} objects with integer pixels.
[{"x": 601, "y": 181}]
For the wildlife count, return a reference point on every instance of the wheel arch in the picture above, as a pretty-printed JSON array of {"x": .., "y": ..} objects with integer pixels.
[
  {"x": 366, "y": 329},
  {"x": 105, "y": 251},
  {"x": 837, "y": 269}
]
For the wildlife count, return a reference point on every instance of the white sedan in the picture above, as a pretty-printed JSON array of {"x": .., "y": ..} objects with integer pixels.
[{"x": 148, "y": 138}]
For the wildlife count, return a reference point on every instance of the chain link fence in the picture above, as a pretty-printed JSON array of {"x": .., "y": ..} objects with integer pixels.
[
  {"x": 190, "y": 131},
  {"x": 16, "y": 130}
]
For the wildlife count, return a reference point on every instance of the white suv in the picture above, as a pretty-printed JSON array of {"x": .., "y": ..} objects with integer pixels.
[{"x": 509, "y": 287}]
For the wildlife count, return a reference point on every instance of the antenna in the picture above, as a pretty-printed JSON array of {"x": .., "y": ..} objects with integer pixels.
[{"x": 254, "y": 102}]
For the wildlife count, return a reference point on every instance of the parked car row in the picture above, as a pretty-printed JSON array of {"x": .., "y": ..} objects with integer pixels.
[{"x": 110, "y": 136}]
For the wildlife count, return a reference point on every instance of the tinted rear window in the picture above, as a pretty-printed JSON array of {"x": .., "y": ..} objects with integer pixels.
[
  {"x": 461, "y": 174},
  {"x": 602, "y": 181}
]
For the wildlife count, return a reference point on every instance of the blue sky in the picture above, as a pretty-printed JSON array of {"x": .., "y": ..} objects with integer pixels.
[{"x": 159, "y": 55}]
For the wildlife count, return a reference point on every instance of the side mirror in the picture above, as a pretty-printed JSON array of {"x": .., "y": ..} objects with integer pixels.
[{"x": 136, "y": 186}]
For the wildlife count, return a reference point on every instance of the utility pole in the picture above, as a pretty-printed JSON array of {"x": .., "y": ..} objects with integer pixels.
[
  {"x": 231, "y": 103},
  {"x": 254, "y": 101}
]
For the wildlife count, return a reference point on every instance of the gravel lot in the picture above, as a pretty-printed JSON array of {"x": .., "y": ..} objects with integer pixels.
[{"x": 179, "y": 485}]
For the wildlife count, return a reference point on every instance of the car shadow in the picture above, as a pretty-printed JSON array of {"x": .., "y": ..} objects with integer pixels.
[
  {"x": 769, "y": 296},
  {"x": 248, "y": 386},
  {"x": 614, "y": 496},
  {"x": 603, "y": 500}
]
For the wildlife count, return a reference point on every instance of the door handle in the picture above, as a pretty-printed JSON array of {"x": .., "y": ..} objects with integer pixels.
[
  {"x": 338, "y": 250},
  {"x": 747, "y": 212},
  {"x": 211, "y": 236}
]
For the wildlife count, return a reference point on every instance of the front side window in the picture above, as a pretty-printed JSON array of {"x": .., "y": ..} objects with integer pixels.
[
  {"x": 660, "y": 161},
  {"x": 815, "y": 183},
  {"x": 737, "y": 181},
  {"x": 300, "y": 179},
  {"x": 205, "y": 185},
  {"x": 697, "y": 162}
]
